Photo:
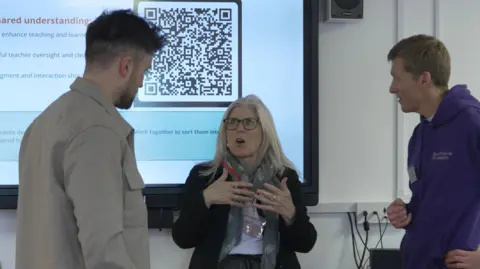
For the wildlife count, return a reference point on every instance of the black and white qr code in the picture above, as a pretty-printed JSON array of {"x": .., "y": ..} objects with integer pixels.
[{"x": 200, "y": 63}]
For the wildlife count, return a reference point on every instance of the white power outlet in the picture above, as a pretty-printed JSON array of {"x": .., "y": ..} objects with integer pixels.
[{"x": 370, "y": 208}]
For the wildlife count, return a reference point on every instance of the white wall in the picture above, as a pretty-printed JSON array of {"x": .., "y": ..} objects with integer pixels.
[{"x": 358, "y": 123}]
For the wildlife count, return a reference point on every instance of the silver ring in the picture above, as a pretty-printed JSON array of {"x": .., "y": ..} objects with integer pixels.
[{"x": 274, "y": 197}]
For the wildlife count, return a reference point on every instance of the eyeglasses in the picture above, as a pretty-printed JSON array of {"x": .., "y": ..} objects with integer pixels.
[{"x": 248, "y": 123}]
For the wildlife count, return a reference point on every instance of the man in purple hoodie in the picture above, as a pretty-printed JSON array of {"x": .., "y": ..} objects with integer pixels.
[{"x": 443, "y": 214}]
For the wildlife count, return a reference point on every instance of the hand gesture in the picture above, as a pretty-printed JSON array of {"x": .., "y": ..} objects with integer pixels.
[
  {"x": 397, "y": 214},
  {"x": 223, "y": 192},
  {"x": 463, "y": 259},
  {"x": 277, "y": 200}
]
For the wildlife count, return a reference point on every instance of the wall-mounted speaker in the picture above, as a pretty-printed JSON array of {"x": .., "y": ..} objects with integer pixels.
[{"x": 344, "y": 10}]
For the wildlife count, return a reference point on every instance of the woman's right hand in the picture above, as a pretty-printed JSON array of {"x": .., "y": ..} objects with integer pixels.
[{"x": 223, "y": 192}]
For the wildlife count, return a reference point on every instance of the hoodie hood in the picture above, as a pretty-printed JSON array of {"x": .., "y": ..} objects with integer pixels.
[{"x": 456, "y": 100}]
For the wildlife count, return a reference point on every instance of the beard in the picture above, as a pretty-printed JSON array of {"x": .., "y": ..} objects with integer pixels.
[{"x": 125, "y": 101}]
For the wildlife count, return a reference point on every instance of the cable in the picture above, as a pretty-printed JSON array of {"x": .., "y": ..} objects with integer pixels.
[
  {"x": 379, "y": 229},
  {"x": 363, "y": 262},
  {"x": 382, "y": 233},
  {"x": 360, "y": 262},
  {"x": 358, "y": 231},
  {"x": 366, "y": 228},
  {"x": 359, "y": 259},
  {"x": 354, "y": 243}
]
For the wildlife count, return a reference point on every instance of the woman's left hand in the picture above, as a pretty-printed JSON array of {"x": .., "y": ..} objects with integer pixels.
[{"x": 277, "y": 200}]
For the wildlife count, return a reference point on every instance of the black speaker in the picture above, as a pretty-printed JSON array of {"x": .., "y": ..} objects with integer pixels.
[
  {"x": 344, "y": 10},
  {"x": 385, "y": 259}
]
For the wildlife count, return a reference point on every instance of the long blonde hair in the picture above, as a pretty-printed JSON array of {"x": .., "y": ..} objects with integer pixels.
[{"x": 270, "y": 147}]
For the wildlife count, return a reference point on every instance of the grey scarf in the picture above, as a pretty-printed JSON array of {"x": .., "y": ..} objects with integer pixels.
[{"x": 264, "y": 173}]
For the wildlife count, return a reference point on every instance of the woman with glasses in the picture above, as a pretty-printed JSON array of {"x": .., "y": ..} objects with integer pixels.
[{"x": 244, "y": 208}]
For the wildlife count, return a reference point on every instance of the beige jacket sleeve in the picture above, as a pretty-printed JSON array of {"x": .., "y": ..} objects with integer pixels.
[{"x": 94, "y": 183}]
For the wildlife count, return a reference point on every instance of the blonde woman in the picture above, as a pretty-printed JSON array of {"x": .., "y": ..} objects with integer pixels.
[{"x": 244, "y": 209}]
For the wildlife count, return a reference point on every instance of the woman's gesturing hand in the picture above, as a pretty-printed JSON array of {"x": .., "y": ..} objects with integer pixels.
[
  {"x": 278, "y": 200},
  {"x": 223, "y": 192}
]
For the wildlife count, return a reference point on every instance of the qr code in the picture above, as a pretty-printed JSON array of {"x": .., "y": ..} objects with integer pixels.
[{"x": 200, "y": 55}]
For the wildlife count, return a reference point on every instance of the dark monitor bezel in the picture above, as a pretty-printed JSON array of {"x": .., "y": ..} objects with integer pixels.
[{"x": 168, "y": 196}]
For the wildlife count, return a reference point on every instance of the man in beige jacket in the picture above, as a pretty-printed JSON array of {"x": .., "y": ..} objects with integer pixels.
[{"x": 80, "y": 200}]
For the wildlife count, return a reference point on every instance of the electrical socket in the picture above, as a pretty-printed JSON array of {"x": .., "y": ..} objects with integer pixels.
[{"x": 370, "y": 207}]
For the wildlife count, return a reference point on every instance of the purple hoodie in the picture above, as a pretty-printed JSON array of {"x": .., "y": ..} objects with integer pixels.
[{"x": 444, "y": 170}]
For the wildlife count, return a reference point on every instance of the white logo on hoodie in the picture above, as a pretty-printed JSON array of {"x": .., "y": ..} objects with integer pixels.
[{"x": 441, "y": 156}]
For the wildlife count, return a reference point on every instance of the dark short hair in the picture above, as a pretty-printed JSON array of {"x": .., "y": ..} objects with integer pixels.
[
  {"x": 424, "y": 53},
  {"x": 117, "y": 31}
]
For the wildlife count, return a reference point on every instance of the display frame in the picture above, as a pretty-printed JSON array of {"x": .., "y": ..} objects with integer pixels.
[{"x": 168, "y": 196}]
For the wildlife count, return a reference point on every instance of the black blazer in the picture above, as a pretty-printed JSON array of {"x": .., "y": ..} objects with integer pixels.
[{"x": 204, "y": 228}]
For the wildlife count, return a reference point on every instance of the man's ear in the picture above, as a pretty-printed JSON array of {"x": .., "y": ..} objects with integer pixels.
[
  {"x": 125, "y": 66},
  {"x": 425, "y": 78}
]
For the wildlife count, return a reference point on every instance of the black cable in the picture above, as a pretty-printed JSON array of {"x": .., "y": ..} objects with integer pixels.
[
  {"x": 379, "y": 229},
  {"x": 358, "y": 231},
  {"x": 360, "y": 236},
  {"x": 364, "y": 252},
  {"x": 382, "y": 233},
  {"x": 365, "y": 246},
  {"x": 362, "y": 263},
  {"x": 366, "y": 228},
  {"x": 386, "y": 223},
  {"x": 354, "y": 243}
]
